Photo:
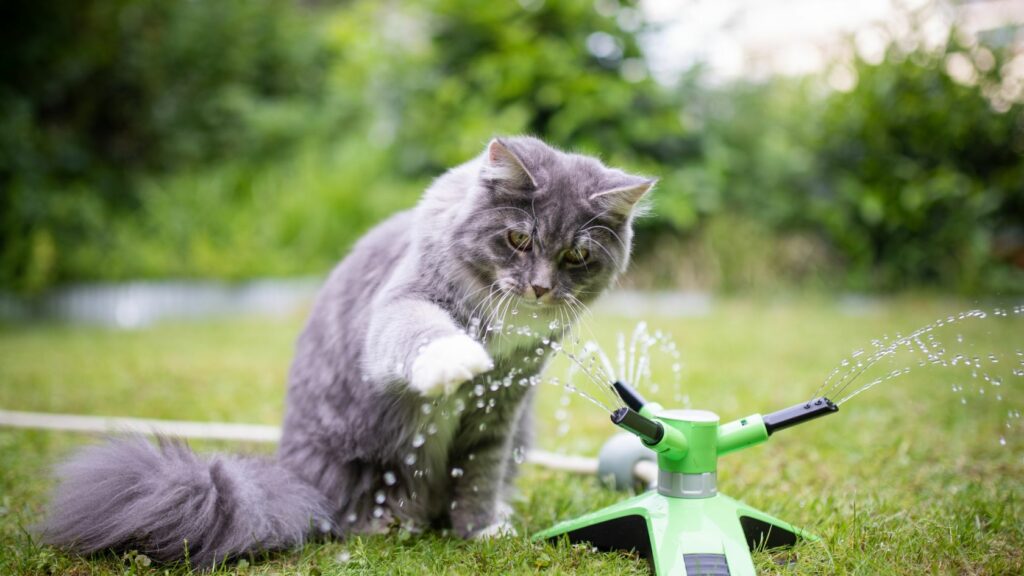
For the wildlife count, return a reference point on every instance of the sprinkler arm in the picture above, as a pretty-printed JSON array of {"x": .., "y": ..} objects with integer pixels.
[
  {"x": 641, "y": 418},
  {"x": 665, "y": 440}
]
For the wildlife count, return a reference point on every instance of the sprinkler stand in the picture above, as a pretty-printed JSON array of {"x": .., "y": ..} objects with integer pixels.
[{"x": 686, "y": 527}]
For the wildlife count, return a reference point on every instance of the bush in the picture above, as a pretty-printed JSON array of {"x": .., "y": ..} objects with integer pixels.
[{"x": 237, "y": 138}]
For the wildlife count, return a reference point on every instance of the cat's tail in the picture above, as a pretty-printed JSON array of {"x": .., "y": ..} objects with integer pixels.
[{"x": 170, "y": 504}]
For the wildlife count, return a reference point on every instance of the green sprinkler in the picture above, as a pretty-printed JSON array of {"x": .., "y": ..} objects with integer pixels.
[{"x": 686, "y": 527}]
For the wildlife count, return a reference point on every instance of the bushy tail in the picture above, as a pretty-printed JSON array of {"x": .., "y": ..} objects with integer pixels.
[{"x": 158, "y": 499}]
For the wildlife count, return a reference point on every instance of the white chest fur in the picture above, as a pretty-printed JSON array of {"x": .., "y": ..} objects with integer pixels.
[{"x": 522, "y": 332}]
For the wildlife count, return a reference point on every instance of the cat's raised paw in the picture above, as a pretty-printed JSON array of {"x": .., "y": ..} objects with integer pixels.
[{"x": 447, "y": 362}]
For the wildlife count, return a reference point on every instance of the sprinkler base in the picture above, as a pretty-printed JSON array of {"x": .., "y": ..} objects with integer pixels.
[{"x": 682, "y": 536}]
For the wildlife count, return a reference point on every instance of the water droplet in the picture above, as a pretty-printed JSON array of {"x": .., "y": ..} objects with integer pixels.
[
  {"x": 1002, "y": 441},
  {"x": 379, "y": 497},
  {"x": 553, "y": 325},
  {"x": 351, "y": 518},
  {"x": 478, "y": 390},
  {"x": 483, "y": 426},
  {"x": 343, "y": 557},
  {"x": 534, "y": 316},
  {"x": 426, "y": 409},
  {"x": 418, "y": 440},
  {"x": 389, "y": 478},
  {"x": 457, "y": 472},
  {"x": 410, "y": 459},
  {"x": 454, "y": 505},
  {"x": 432, "y": 429},
  {"x": 539, "y": 351},
  {"x": 519, "y": 454},
  {"x": 515, "y": 311},
  {"x": 378, "y": 512}
]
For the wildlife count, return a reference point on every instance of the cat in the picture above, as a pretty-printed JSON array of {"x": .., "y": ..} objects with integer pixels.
[{"x": 410, "y": 393}]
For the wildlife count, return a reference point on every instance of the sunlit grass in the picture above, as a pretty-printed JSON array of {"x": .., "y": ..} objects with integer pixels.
[{"x": 910, "y": 477}]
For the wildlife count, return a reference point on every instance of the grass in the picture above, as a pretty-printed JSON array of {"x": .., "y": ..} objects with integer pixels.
[{"x": 909, "y": 478}]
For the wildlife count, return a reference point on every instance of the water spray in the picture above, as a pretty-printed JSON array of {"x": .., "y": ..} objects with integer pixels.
[{"x": 685, "y": 526}]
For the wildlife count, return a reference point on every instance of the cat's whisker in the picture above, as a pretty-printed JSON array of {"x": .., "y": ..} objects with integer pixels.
[
  {"x": 483, "y": 302},
  {"x": 596, "y": 216},
  {"x": 492, "y": 316},
  {"x": 610, "y": 256},
  {"x": 610, "y": 231}
]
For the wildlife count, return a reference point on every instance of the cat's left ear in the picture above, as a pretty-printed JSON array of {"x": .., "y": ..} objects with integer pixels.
[
  {"x": 622, "y": 200},
  {"x": 501, "y": 165}
]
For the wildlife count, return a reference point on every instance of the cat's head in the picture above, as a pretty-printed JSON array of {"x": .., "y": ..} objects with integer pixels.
[{"x": 546, "y": 226}]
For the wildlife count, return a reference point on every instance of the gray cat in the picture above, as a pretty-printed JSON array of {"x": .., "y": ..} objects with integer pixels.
[{"x": 410, "y": 392}]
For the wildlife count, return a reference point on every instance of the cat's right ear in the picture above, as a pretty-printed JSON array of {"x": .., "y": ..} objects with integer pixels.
[{"x": 504, "y": 169}]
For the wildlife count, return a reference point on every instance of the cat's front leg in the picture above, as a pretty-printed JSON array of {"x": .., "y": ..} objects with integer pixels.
[
  {"x": 416, "y": 342},
  {"x": 477, "y": 507}
]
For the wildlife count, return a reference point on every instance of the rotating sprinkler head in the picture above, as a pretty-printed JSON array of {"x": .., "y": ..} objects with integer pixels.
[{"x": 686, "y": 527}]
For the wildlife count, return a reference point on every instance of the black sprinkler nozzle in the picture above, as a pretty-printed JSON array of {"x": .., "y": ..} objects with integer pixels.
[
  {"x": 629, "y": 395},
  {"x": 648, "y": 430},
  {"x": 799, "y": 414}
]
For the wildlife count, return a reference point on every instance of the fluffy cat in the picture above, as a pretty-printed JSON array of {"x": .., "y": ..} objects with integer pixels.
[{"x": 409, "y": 395}]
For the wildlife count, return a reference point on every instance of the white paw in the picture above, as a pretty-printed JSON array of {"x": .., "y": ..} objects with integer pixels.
[
  {"x": 500, "y": 529},
  {"x": 447, "y": 362}
]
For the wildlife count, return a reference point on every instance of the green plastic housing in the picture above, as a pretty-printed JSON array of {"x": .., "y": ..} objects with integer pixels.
[{"x": 683, "y": 530}]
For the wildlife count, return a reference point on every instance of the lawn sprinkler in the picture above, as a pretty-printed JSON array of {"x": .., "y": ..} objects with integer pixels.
[{"x": 686, "y": 527}]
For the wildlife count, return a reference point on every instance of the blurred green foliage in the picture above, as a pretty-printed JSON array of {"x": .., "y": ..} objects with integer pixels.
[{"x": 240, "y": 138}]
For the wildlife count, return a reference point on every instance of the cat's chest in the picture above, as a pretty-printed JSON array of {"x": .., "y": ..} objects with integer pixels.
[{"x": 522, "y": 334}]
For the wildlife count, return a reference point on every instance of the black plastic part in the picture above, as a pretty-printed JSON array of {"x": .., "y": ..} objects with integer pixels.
[
  {"x": 624, "y": 533},
  {"x": 648, "y": 430},
  {"x": 629, "y": 395},
  {"x": 761, "y": 535},
  {"x": 799, "y": 414},
  {"x": 706, "y": 565}
]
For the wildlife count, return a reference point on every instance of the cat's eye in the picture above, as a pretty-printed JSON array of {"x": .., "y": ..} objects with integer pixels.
[
  {"x": 520, "y": 240},
  {"x": 577, "y": 256}
]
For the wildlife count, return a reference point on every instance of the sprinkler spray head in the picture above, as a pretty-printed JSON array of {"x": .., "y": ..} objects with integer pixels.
[
  {"x": 629, "y": 395},
  {"x": 650, "y": 431},
  {"x": 799, "y": 414}
]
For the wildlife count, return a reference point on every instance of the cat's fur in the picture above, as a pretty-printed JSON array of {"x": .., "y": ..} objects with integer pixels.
[{"x": 410, "y": 392}]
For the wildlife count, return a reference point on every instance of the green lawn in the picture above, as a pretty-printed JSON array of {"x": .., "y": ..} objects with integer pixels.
[{"x": 911, "y": 477}]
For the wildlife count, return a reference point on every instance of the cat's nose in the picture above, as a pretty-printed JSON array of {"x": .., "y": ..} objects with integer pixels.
[{"x": 539, "y": 291}]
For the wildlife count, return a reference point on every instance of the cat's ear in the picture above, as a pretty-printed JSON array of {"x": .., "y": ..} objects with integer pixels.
[
  {"x": 502, "y": 166},
  {"x": 622, "y": 200}
]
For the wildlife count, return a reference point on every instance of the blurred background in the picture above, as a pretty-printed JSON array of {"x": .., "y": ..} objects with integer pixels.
[
  {"x": 834, "y": 174},
  {"x": 813, "y": 145}
]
